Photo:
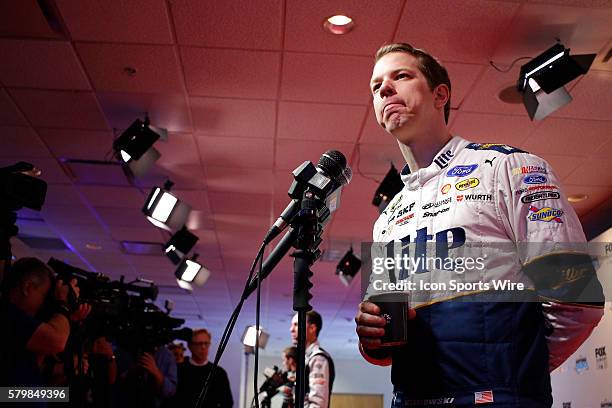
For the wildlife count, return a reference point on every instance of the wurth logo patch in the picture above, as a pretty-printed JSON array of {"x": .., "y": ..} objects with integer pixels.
[{"x": 474, "y": 197}]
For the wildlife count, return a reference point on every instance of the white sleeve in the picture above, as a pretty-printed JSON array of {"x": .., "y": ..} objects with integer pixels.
[{"x": 552, "y": 249}]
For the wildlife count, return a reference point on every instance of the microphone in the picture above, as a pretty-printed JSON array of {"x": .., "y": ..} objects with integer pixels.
[{"x": 331, "y": 165}]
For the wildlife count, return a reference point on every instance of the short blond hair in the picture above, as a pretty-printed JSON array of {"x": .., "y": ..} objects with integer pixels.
[{"x": 200, "y": 331}]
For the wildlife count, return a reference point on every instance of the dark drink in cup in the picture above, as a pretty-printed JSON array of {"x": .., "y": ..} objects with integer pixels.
[{"x": 394, "y": 308}]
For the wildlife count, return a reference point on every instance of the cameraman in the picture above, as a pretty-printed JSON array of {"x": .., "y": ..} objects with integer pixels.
[{"x": 26, "y": 339}]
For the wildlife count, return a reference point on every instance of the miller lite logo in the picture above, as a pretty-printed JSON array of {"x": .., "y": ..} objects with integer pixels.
[{"x": 443, "y": 159}]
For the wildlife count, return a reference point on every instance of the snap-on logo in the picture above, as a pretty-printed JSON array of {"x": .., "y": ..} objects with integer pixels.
[{"x": 461, "y": 171}]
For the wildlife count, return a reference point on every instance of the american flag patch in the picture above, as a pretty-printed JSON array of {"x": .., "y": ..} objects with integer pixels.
[{"x": 483, "y": 397}]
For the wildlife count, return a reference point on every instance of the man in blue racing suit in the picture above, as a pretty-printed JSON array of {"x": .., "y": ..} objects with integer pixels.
[{"x": 467, "y": 353}]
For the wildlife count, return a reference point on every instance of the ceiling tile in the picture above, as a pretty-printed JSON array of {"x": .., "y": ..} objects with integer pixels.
[
  {"x": 481, "y": 24},
  {"x": 233, "y": 151},
  {"x": 142, "y": 234},
  {"x": 52, "y": 172},
  {"x": 377, "y": 159},
  {"x": 239, "y": 179},
  {"x": 21, "y": 141},
  {"x": 24, "y": 18},
  {"x": 305, "y": 31},
  {"x": 199, "y": 219},
  {"x": 77, "y": 144},
  {"x": 9, "y": 114},
  {"x": 142, "y": 21},
  {"x": 310, "y": 121},
  {"x": 463, "y": 77},
  {"x": 207, "y": 22},
  {"x": 237, "y": 223},
  {"x": 62, "y": 194},
  {"x": 60, "y": 109},
  {"x": 563, "y": 165},
  {"x": 589, "y": 99},
  {"x": 107, "y": 196},
  {"x": 76, "y": 214},
  {"x": 197, "y": 199},
  {"x": 157, "y": 67},
  {"x": 356, "y": 199},
  {"x": 167, "y": 111},
  {"x": 292, "y": 153},
  {"x": 373, "y": 133},
  {"x": 40, "y": 64},
  {"x": 484, "y": 96},
  {"x": 234, "y": 117},
  {"x": 593, "y": 173},
  {"x": 124, "y": 217},
  {"x": 180, "y": 162},
  {"x": 486, "y": 128},
  {"x": 240, "y": 203},
  {"x": 596, "y": 195},
  {"x": 231, "y": 73},
  {"x": 605, "y": 150},
  {"x": 536, "y": 26},
  {"x": 326, "y": 78},
  {"x": 561, "y": 136}
]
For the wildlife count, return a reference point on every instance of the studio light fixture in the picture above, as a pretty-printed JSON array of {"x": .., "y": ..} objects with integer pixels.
[
  {"x": 191, "y": 272},
  {"x": 179, "y": 245},
  {"x": 249, "y": 337},
  {"x": 165, "y": 210},
  {"x": 134, "y": 148},
  {"x": 389, "y": 187},
  {"x": 348, "y": 267},
  {"x": 542, "y": 80}
]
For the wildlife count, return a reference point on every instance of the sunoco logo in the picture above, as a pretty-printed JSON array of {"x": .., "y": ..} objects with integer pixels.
[
  {"x": 544, "y": 195},
  {"x": 465, "y": 184},
  {"x": 546, "y": 214}
]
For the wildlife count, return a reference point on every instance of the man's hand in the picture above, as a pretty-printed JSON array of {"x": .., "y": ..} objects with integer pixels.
[
  {"x": 102, "y": 347},
  {"x": 371, "y": 326},
  {"x": 147, "y": 362},
  {"x": 81, "y": 313},
  {"x": 62, "y": 290}
]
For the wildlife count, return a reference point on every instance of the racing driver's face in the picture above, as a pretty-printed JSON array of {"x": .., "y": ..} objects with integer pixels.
[{"x": 402, "y": 100}]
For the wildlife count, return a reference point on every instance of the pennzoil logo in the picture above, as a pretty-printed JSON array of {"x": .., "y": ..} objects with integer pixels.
[
  {"x": 545, "y": 214},
  {"x": 466, "y": 184}
]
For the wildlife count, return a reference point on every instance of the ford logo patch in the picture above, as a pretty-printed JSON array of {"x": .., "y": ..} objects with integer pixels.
[
  {"x": 461, "y": 171},
  {"x": 535, "y": 179}
]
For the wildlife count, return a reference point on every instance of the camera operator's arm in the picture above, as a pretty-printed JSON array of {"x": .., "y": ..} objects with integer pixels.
[
  {"x": 165, "y": 377},
  {"x": 102, "y": 348},
  {"x": 50, "y": 337}
]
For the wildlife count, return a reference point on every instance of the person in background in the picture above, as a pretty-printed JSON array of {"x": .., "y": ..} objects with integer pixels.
[
  {"x": 194, "y": 371},
  {"x": 178, "y": 350}
]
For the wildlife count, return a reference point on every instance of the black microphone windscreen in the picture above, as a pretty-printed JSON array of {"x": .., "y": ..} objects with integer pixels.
[{"x": 333, "y": 163}]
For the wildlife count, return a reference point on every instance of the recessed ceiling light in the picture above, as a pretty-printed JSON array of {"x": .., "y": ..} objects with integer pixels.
[
  {"x": 576, "y": 198},
  {"x": 338, "y": 24},
  {"x": 93, "y": 247}
]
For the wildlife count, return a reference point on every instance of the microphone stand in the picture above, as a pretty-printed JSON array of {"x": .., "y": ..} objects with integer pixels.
[{"x": 309, "y": 231}]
